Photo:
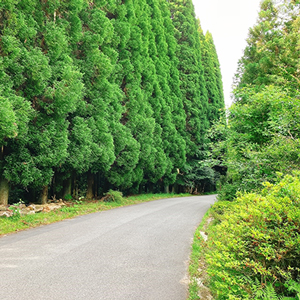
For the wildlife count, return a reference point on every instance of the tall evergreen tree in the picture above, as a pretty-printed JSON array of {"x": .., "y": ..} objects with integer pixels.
[
  {"x": 107, "y": 142},
  {"x": 153, "y": 94},
  {"x": 155, "y": 82},
  {"x": 15, "y": 113},
  {"x": 175, "y": 97},
  {"x": 127, "y": 148},
  {"x": 45, "y": 75},
  {"x": 217, "y": 69},
  {"x": 212, "y": 75},
  {"x": 138, "y": 114},
  {"x": 191, "y": 74}
]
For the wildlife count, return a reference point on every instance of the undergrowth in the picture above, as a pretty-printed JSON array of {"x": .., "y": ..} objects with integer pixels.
[{"x": 254, "y": 244}]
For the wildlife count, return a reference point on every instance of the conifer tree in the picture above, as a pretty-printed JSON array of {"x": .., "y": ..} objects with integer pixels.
[
  {"x": 217, "y": 69},
  {"x": 108, "y": 141},
  {"x": 45, "y": 75},
  {"x": 138, "y": 113},
  {"x": 15, "y": 113},
  {"x": 152, "y": 94},
  {"x": 175, "y": 99},
  {"x": 127, "y": 148},
  {"x": 212, "y": 75},
  {"x": 173, "y": 143},
  {"x": 191, "y": 74}
]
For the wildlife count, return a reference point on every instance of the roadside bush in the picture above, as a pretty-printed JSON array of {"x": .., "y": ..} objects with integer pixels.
[
  {"x": 255, "y": 245},
  {"x": 113, "y": 196},
  {"x": 228, "y": 191}
]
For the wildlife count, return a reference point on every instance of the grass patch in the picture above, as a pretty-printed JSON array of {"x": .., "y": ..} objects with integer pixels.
[
  {"x": 17, "y": 223},
  {"x": 197, "y": 266}
]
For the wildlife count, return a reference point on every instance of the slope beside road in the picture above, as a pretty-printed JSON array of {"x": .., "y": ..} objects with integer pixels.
[{"x": 136, "y": 252}]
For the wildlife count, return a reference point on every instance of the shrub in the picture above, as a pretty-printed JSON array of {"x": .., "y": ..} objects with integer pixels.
[
  {"x": 113, "y": 196},
  {"x": 68, "y": 197},
  {"x": 257, "y": 239},
  {"x": 228, "y": 191}
]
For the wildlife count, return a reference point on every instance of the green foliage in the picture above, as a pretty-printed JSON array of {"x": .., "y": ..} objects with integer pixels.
[
  {"x": 111, "y": 89},
  {"x": 16, "y": 213},
  {"x": 113, "y": 196},
  {"x": 212, "y": 75},
  {"x": 172, "y": 143},
  {"x": 7, "y": 125},
  {"x": 68, "y": 197},
  {"x": 262, "y": 135},
  {"x": 36, "y": 61},
  {"x": 191, "y": 74},
  {"x": 256, "y": 239},
  {"x": 254, "y": 242},
  {"x": 198, "y": 68},
  {"x": 272, "y": 53},
  {"x": 293, "y": 287},
  {"x": 269, "y": 292},
  {"x": 262, "y": 138},
  {"x": 15, "y": 114},
  {"x": 198, "y": 176}
]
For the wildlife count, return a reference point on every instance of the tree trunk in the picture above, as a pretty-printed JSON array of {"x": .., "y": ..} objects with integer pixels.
[
  {"x": 149, "y": 188},
  {"x": 141, "y": 189},
  {"x": 4, "y": 191},
  {"x": 67, "y": 189},
  {"x": 96, "y": 186},
  {"x": 173, "y": 189},
  {"x": 75, "y": 186},
  {"x": 44, "y": 195},
  {"x": 166, "y": 189},
  {"x": 89, "y": 192}
]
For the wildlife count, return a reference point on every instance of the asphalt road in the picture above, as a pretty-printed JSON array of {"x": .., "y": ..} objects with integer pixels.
[{"x": 138, "y": 252}]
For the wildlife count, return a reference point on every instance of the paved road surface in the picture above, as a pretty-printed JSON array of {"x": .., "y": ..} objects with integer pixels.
[{"x": 132, "y": 253}]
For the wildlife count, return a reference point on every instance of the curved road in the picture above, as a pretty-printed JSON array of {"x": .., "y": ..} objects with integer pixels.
[{"x": 137, "y": 252}]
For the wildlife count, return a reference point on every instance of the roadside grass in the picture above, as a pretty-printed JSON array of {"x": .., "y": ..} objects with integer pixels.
[
  {"x": 197, "y": 268},
  {"x": 76, "y": 208}
]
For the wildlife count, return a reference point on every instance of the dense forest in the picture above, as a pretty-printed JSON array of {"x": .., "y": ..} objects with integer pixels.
[
  {"x": 105, "y": 94},
  {"x": 254, "y": 243}
]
